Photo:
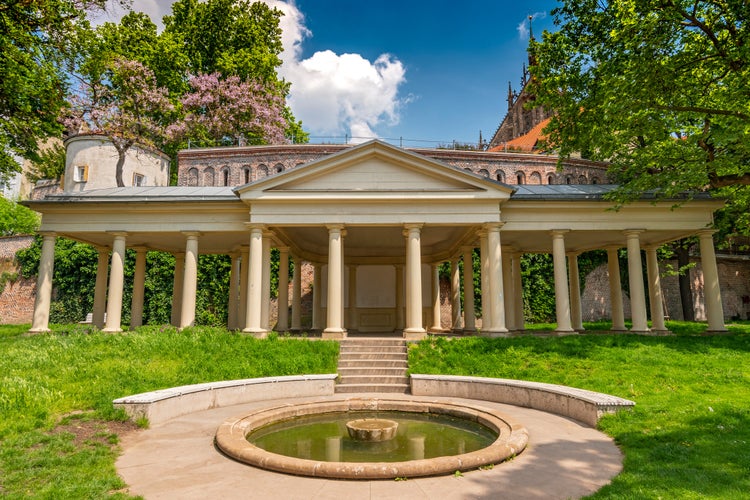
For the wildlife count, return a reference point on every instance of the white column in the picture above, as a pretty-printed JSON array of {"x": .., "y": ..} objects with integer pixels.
[
  {"x": 615, "y": 290},
  {"x": 253, "y": 316},
  {"x": 297, "y": 294},
  {"x": 400, "y": 321},
  {"x": 190, "y": 283},
  {"x": 517, "y": 293},
  {"x": 711, "y": 289},
  {"x": 485, "y": 271},
  {"x": 265, "y": 305},
  {"x": 562, "y": 300},
  {"x": 282, "y": 317},
  {"x": 317, "y": 291},
  {"x": 234, "y": 291},
  {"x": 100, "y": 288},
  {"x": 455, "y": 296},
  {"x": 576, "y": 315},
  {"x": 40, "y": 322},
  {"x": 654, "y": 290},
  {"x": 334, "y": 329},
  {"x": 496, "y": 291},
  {"x": 635, "y": 279},
  {"x": 510, "y": 321},
  {"x": 343, "y": 280},
  {"x": 435, "y": 271},
  {"x": 469, "y": 316},
  {"x": 414, "y": 329},
  {"x": 139, "y": 282},
  {"x": 353, "y": 316},
  {"x": 244, "y": 287},
  {"x": 116, "y": 279},
  {"x": 179, "y": 277}
]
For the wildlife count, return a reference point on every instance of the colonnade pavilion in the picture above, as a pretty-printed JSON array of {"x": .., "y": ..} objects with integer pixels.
[{"x": 376, "y": 221}]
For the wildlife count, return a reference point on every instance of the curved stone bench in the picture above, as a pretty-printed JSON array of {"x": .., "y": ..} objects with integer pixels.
[
  {"x": 579, "y": 404},
  {"x": 162, "y": 405}
]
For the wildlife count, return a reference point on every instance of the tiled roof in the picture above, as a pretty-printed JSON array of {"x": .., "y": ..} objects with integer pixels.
[{"x": 526, "y": 142}]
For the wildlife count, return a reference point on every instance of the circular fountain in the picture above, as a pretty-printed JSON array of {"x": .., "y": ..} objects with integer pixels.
[{"x": 380, "y": 439}]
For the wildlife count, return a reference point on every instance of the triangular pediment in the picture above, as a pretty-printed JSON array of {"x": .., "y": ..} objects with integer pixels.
[{"x": 376, "y": 168}]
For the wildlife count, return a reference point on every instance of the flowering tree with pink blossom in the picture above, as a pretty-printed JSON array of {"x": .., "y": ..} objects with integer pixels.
[
  {"x": 218, "y": 109},
  {"x": 125, "y": 105}
]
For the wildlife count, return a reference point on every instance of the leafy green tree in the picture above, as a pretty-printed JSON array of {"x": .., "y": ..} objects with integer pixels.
[
  {"x": 658, "y": 88},
  {"x": 16, "y": 219},
  {"x": 126, "y": 105},
  {"x": 49, "y": 164},
  {"x": 33, "y": 39}
]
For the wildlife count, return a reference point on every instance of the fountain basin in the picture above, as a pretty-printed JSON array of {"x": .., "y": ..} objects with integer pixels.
[{"x": 231, "y": 439}]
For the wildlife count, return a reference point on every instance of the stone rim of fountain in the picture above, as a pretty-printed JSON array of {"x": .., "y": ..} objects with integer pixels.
[{"x": 231, "y": 440}]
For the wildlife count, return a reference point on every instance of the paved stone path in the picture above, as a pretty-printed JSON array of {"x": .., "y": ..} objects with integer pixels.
[{"x": 178, "y": 460}]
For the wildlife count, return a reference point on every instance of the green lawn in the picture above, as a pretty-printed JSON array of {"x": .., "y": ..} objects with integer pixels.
[
  {"x": 689, "y": 434},
  {"x": 688, "y": 437}
]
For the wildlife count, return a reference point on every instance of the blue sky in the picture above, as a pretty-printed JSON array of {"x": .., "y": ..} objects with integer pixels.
[{"x": 426, "y": 71}]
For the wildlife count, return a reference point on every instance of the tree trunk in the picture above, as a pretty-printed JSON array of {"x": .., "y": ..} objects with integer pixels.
[
  {"x": 118, "y": 167},
  {"x": 686, "y": 295}
]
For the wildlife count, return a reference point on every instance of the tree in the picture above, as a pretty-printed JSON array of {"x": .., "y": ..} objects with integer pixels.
[
  {"x": 216, "y": 109},
  {"x": 658, "y": 88},
  {"x": 126, "y": 106},
  {"x": 16, "y": 219},
  {"x": 32, "y": 87}
]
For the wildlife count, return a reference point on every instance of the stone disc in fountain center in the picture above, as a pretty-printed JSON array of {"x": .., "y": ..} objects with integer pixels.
[{"x": 372, "y": 429}]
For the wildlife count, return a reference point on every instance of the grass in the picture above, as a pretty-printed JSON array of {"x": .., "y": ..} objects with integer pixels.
[
  {"x": 689, "y": 434},
  {"x": 57, "y": 423}
]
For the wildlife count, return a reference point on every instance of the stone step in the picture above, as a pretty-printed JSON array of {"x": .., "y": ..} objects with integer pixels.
[
  {"x": 378, "y": 341},
  {"x": 372, "y": 348},
  {"x": 373, "y": 363},
  {"x": 349, "y": 356},
  {"x": 373, "y": 370},
  {"x": 372, "y": 379},
  {"x": 353, "y": 388}
]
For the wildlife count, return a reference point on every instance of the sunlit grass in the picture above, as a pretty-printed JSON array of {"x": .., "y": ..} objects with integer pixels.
[
  {"x": 45, "y": 377},
  {"x": 689, "y": 434}
]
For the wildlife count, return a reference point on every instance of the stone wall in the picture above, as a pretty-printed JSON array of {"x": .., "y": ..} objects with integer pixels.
[{"x": 734, "y": 280}]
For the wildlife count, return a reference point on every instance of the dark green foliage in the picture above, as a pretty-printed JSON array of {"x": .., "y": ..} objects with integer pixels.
[{"x": 538, "y": 287}]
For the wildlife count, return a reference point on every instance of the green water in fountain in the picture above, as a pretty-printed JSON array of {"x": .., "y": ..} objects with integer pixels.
[{"x": 324, "y": 437}]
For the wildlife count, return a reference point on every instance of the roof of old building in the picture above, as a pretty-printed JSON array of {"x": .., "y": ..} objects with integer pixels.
[{"x": 526, "y": 142}]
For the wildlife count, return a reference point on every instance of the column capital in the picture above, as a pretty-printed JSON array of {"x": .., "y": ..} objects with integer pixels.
[
  {"x": 613, "y": 248},
  {"x": 252, "y": 226},
  {"x": 413, "y": 225},
  {"x": 708, "y": 232},
  {"x": 558, "y": 233},
  {"x": 334, "y": 227},
  {"x": 492, "y": 226},
  {"x": 573, "y": 253},
  {"x": 467, "y": 248},
  {"x": 191, "y": 234},
  {"x": 283, "y": 249},
  {"x": 633, "y": 233},
  {"x": 47, "y": 234},
  {"x": 117, "y": 234}
]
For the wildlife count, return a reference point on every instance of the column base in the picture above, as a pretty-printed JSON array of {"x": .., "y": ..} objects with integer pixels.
[
  {"x": 35, "y": 331},
  {"x": 469, "y": 331},
  {"x": 717, "y": 332},
  {"x": 647, "y": 331},
  {"x": 437, "y": 330},
  {"x": 563, "y": 333},
  {"x": 334, "y": 334},
  {"x": 618, "y": 330},
  {"x": 258, "y": 333},
  {"x": 415, "y": 334},
  {"x": 495, "y": 333},
  {"x": 112, "y": 330}
]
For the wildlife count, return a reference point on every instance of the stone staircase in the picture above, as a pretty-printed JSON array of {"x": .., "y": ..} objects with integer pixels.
[{"x": 372, "y": 365}]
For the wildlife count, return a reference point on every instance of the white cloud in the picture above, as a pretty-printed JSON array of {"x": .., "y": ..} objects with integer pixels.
[
  {"x": 337, "y": 94},
  {"x": 333, "y": 94}
]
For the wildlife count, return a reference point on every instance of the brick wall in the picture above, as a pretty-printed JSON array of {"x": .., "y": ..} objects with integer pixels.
[{"x": 17, "y": 298}]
